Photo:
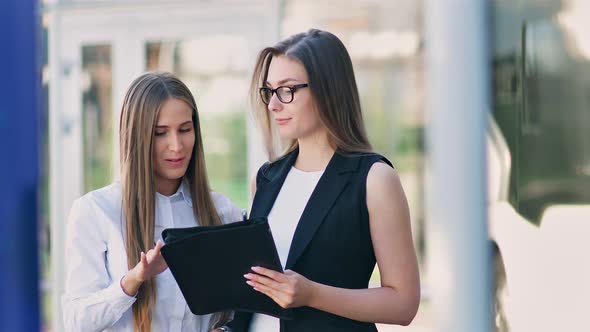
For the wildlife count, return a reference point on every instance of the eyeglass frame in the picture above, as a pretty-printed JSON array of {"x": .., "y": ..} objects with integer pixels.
[{"x": 273, "y": 92}]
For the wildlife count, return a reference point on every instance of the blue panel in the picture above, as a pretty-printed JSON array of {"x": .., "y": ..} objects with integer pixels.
[{"x": 19, "y": 165}]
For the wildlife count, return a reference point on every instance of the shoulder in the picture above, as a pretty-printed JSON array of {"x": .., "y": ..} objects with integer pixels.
[
  {"x": 105, "y": 197},
  {"x": 97, "y": 204},
  {"x": 382, "y": 174},
  {"x": 262, "y": 170},
  {"x": 227, "y": 210},
  {"x": 269, "y": 168},
  {"x": 359, "y": 161},
  {"x": 370, "y": 159},
  {"x": 91, "y": 214},
  {"x": 382, "y": 179},
  {"x": 386, "y": 200}
]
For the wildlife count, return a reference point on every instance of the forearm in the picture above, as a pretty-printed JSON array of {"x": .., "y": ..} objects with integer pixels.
[
  {"x": 130, "y": 284},
  {"x": 95, "y": 311},
  {"x": 377, "y": 305}
]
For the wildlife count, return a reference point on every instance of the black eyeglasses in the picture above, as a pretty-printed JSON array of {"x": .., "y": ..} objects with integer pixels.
[{"x": 284, "y": 93}]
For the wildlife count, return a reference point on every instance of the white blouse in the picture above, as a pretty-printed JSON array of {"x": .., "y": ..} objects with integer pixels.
[
  {"x": 96, "y": 260},
  {"x": 283, "y": 219}
]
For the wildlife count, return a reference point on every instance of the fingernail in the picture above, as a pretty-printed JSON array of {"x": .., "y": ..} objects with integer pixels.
[
  {"x": 247, "y": 276},
  {"x": 249, "y": 282},
  {"x": 255, "y": 268}
]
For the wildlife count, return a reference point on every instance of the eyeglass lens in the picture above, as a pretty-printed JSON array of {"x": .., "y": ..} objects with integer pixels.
[{"x": 285, "y": 94}]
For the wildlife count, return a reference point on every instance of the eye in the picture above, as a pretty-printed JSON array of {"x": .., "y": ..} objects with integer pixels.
[
  {"x": 159, "y": 133},
  {"x": 186, "y": 130}
]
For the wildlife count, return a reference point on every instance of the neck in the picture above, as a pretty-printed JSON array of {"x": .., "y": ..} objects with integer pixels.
[
  {"x": 167, "y": 187},
  {"x": 314, "y": 154}
]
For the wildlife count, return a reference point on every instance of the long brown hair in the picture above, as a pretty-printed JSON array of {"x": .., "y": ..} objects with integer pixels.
[
  {"x": 332, "y": 85},
  {"x": 139, "y": 113}
]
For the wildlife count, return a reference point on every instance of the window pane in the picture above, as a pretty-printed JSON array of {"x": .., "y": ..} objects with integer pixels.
[
  {"x": 97, "y": 115},
  {"x": 217, "y": 73}
]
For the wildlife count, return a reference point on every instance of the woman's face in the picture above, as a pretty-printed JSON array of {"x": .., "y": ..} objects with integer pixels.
[
  {"x": 174, "y": 139},
  {"x": 299, "y": 118}
]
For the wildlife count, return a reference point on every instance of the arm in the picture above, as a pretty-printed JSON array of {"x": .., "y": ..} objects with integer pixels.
[
  {"x": 94, "y": 300},
  {"x": 397, "y": 300}
]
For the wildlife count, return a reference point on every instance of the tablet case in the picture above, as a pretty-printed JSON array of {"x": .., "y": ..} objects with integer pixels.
[{"x": 209, "y": 263}]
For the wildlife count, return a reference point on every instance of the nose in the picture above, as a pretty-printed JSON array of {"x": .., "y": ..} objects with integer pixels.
[
  {"x": 175, "y": 143},
  {"x": 275, "y": 105}
]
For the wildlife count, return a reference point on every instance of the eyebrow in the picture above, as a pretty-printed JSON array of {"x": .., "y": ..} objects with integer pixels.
[
  {"x": 182, "y": 124},
  {"x": 283, "y": 81}
]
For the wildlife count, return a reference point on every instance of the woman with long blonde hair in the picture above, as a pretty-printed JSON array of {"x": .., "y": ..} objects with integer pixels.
[{"x": 116, "y": 277}]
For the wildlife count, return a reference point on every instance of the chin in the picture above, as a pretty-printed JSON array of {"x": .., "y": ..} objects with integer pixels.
[
  {"x": 287, "y": 134},
  {"x": 175, "y": 175}
]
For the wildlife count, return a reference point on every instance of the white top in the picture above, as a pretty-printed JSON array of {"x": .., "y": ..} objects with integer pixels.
[
  {"x": 283, "y": 219},
  {"x": 96, "y": 260}
]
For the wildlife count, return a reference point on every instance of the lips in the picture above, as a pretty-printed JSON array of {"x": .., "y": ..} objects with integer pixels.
[
  {"x": 282, "y": 121},
  {"x": 174, "y": 162}
]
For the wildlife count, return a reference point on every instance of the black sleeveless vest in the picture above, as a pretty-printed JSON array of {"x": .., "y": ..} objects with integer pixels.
[{"x": 332, "y": 242}]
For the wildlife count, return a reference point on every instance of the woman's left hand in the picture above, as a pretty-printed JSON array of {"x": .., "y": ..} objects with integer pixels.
[{"x": 289, "y": 289}]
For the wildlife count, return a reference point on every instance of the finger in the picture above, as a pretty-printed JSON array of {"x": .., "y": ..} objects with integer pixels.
[
  {"x": 291, "y": 273},
  {"x": 270, "y": 273},
  {"x": 143, "y": 260},
  {"x": 157, "y": 248},
  {"x": 263, "y": 289},
  {"x": 159, "y": 265},
  {"x": 150, "y": 255},
  {"x": 275, "y": 295},
  {"x": 276, "y": 300},
  {"x": 159, "y": 260},
  {"x": 263, "y": 280}
]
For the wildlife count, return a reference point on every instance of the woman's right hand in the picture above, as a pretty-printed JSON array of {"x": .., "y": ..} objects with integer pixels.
[{"x": 150, "y": 265}]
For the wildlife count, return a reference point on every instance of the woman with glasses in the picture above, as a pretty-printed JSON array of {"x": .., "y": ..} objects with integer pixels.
[
  {"x": 335, "y": 207},
  {"x": 116, "y": 277}
]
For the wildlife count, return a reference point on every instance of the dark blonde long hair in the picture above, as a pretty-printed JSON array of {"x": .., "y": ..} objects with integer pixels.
[
  {"x": 139, "y": 113},
  {"x": 332, "y": 85}
]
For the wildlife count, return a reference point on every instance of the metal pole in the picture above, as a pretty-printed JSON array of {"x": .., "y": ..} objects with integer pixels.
[
  {"x": 457, "y": 86},
  {"x": 19, "y": 142}
]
